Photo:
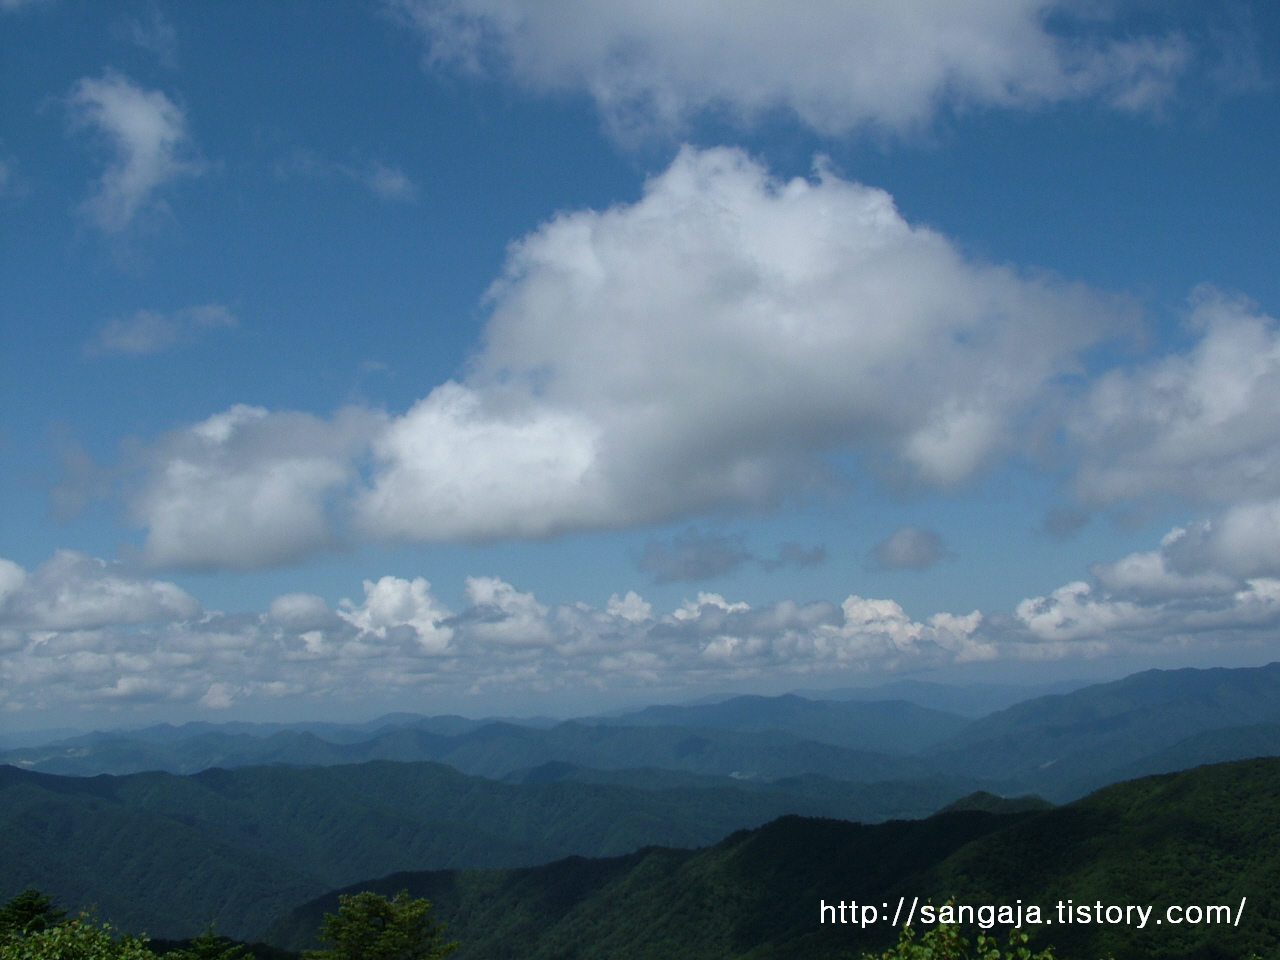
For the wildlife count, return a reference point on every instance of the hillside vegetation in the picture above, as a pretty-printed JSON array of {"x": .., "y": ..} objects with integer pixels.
[
  {"x": 1205, "y": 836},
  {"x": 165, "y": 853}
]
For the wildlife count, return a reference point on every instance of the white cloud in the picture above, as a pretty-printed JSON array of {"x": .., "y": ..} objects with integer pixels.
[
  {"x": 300, "y": 611},
  {"x": 148, "y": 136},
  {"x": 1200, "y": 586},
  {"x": 1199, "y": 425},
  {"x": 456, "y": 467},
  {"x": 74, "y": 591},
  {"x": 502, "y": 615},
  {"x": 910, "y": 548},
  {"x": 632, "y": 607},
  {"x": 150, "y": 331},
  {"x": 81, "y": 631},
  {"x": 402, "y": 638},
  {"x": 246, "y": 488},
  {"x": 835, "y": 64},
  {"x": 388, "y": 183},
  {"x": 707, "y": 346},
  {"x": 393, "y": 602}
]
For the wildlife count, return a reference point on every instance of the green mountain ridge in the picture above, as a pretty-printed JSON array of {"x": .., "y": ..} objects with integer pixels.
[
  {"x": 883, "y": 726},
  {"x": 494, "y": 750},
  {"x": 166, "y": 853},
  {"x": 1204, "y": 837},
  {"x": 1064, "y": 745},
  {"x": 1060, "y": 746}
]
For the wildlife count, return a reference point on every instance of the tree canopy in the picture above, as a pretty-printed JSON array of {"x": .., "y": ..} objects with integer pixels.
[{"x": 368, "y": 926}]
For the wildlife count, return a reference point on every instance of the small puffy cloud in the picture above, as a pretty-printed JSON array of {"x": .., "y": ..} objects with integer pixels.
[
  {"x": 795, "y": 555},
  {"x": 150, "y": 331},
  {"x": 389, "y": 183},
  {"x": 1199, "y": 425},
  {"x": 501, "y": 614},
  {"x": 149, "y": 141},
  {"x": 834, "y": 64},
  {"x": 392, "y": 603},
  {"x": 74, "y": 591},
  {"x": 246, "y": 488},
  {"x": 632, "y": 607},
  {"x": 909, "y": 548},
  {"x": 300, "y": 611},
  {"x": 692, "y": 556}
]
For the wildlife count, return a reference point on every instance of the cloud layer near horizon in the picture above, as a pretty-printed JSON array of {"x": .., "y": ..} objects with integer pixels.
[
  {"x": 836, "y": 65},
  {"x": 707, "y": 347},
  {"x": 80, "y": 631}
]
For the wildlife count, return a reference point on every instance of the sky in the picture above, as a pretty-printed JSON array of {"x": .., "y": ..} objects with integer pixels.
[{"x": 546, "y": 356}]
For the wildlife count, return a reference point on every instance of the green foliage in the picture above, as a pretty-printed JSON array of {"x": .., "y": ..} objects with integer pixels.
[
  {"x": 209, "y": 946},
  {"x": 368, "y": 926},
  {"x": 78, "y": 939},
  {"x": 29, "y": 912},
  {"x": 946, "y": 942}
]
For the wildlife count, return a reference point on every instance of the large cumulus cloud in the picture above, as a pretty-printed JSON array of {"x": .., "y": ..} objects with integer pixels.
[{"x": 708, "y": 346}]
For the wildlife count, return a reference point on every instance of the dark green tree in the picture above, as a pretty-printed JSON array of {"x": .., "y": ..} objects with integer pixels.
[
  {"x": 368, "y": 926},
  {"x": 209, "y": 946},
  {"x": 946, "y": 942},
  {"x": 29, "y": 912}
]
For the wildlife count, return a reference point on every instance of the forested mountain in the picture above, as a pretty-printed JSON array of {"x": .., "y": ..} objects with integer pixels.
[
  {"x": 492, "y": 750},
  {"x": 1059, "y": 745},
  {"x": 1201, "y": 837},
  {"x": 1067, "y": 744},
  {"x": 969, "y": 700},
  {"x": 886, "y": 726},
  {"x": 166, "y": 853}
]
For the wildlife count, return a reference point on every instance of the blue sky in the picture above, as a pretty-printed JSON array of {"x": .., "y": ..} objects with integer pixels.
[{"x": 512, "y": 356}]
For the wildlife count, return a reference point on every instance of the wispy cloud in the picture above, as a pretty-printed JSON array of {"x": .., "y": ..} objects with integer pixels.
[
  {"x": 834, "y": 64},
  {"x": 150, "y": 331},
  {"x": 148, "y": 140},
  {"x": 385, "y": 181},
  {"x": 156, "y": 35}
]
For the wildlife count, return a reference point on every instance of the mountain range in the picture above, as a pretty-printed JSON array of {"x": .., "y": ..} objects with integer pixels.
[
  {"x": 1059, "y": 745},
  {"x": 1202, "y": 837}
]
